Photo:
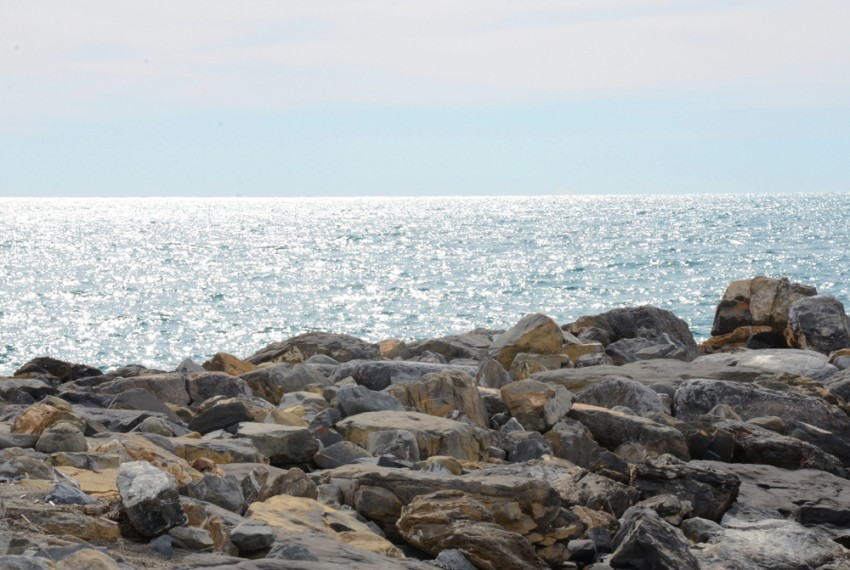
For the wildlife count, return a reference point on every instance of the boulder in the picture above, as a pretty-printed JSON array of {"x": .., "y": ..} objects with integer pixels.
[
  {"x": 134, "y": 447},
  {"x": 272, "y": 382},
  {"x": 252, "y": 536},
  {"x": 380, "y": 374},
  {"x": 16, "y": 464},
  {"x": 168, "y": 388},
  {"x": 398, "y": 443},
  {"x": 24, "y": 390},
  {"x": 288, "y": 514},
  {"x": 807, "y": 496},
  {"x": 488, "y": 545},
  {"x": 353, "y": 400},
  {"x": 612, "y": 428},
  {"x": 535, "y": 333},
  {"x": 434, "y": 436},
  {"x": 339, "y": 454},
  {"x": 443, "y": 394},
  {"x": 224, "y": 413},
  {"x": 203, "y": 386},
  {"x": 798, "y": 362},
  {"x": 61, "y": 436},
  {"x": 340, "y": 347},
  {"x": 537, "y": 406},
  {"x": 140, "y": 399},
  {"x": 613, "y": 392},
  {"x": 754, "y": 444},
  {"x": 570, "y": 440},
  {"x": 760, "y": 301},
  {"x": 519, "y": 503},
  {"x": 283, "y": 445},
  {"x": 149, "y": 497},
  {"x": 491, "y": 374},
  {"x": 758, "y": 542},
  {"x": 226, "y": 492},
  {"x": 88, "y": 558},
  {"x": 38, "y": 417},
  {"x": 227, "y": 363},
  {"x": 647, "y": 539},
  {"x": 656, "y": 327},
  {"x": 219, "y": 451},
  {"x": 525, "y": 364},
  {"x": 710, "y": 491},
  {"x": 818, "y": 323},
  {"x": 58, "y": 369},
  {"x": 697, "y": 397},
  {"x": 293, "y": 482},
  {"x": 473, "y": 345}
]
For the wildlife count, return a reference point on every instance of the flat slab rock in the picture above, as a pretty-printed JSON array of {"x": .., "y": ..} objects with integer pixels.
[{"x": 434, "y": 435}]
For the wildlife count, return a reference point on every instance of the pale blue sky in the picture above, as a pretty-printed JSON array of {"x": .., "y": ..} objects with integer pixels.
[{"x": 372, "y": 97}]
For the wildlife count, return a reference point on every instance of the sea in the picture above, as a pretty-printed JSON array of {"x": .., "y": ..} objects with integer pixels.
[{"x": 113, "y": 281}]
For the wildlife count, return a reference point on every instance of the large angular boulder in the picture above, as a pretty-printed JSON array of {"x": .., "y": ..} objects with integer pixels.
[
  {"x": 536, "y": 405},
  {"x": 58, "y": 369},
  {"x": 472, "y": 345},
  {"x": 340, "y": 347},
  {"x": 711, "y": 492},
  {"x": 434, "y": 436},
  {"x": 613, "y": 392},
  {"x": 170, "y": 388},
  {"x": 646, "y": 539},
  {"x": 818, "y": 323},
  {"x": 149, "y": 497},
  {"x": 227, "y": 363},
  {"x": 223, "y": 413},
  {"x": 760, "y": 301},
  {"x": 272, "y": 382},
  {"x": 203, "y": 386},
  {"x": 353, "y": 400},
  {"x": 517, "y": 502},
  {"x": 612, "y": 428},
  {"x": 748, "y": 541},
  {"x": 697, "y": 397},
  {"x": 807, "y": 496},
  {"x": 777, "y": 360},
  {"x": 380, "y": 374},
  {"x": 443, "y": 394},
  {"x": 283, "y": 445},
  {"x": 654, "y": 327},
  {"x": 535, "y": 333}
]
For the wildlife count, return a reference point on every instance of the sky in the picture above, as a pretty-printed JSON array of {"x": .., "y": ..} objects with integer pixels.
[{"x": 396, "y": 98}]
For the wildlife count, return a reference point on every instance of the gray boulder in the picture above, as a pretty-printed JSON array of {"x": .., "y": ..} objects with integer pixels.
[
  {"x": 226, "y": 492},
  {"x": 340, "y": 347},
  {"x": 645, "y": 540},
  {"x": 670, "y": 335},
  {"x": 283, "y": 445},
  {"x": 272, "y": 382},
  {"x": 798, "y": 362},
  {"x": 353, "y": 400},
  {"x": 818, "y": 323},
  {"x": 339, "y": 454},
  {"x": 150, "y": 498},
  {"x": 205, "y": 385},
  {"x": 613, "y": 392},
  {"x": 380, "y": 374},
  {"x": 62, "y": 436}
]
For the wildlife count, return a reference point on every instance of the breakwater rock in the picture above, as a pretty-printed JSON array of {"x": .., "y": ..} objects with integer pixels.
[{"x": 611, "y": 442}]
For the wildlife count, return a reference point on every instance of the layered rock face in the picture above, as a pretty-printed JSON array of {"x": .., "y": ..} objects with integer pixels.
[{"x": 609, "y": 442}]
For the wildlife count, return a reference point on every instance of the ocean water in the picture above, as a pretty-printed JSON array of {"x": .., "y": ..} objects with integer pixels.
[{"x": 108, "y": 282}]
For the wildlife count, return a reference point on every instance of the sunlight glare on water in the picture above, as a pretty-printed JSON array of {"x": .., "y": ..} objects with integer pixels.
[{"x": 113, "y": 281}]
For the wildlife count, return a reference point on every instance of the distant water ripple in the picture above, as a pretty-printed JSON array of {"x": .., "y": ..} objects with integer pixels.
[{"x": 113, "y": 281}]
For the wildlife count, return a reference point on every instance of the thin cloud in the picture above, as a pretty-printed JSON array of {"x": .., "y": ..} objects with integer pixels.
[{"x": 95, "y": 58}]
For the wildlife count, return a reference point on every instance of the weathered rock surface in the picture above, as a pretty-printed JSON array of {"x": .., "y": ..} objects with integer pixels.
[
  {"x": 760, "y": 301},
  {"x": 818, "y": 323},
  {"x": 283, "y": 445},
  {"x": 473, "y": 345},
  {"x": 657, "y": 327},
  {"x": 340, "y": 347},
  {"x": 353, "y": 400},
  {"x": 272, "y": 382},
  {"x": 612, "y": 428},
  {"x": 443, "y": 394},
  {"x": 380, "y": 374},
  {"x": 798, "y": 362},
  {"x": 434, "y": 436},
  {"x": 536, "y": 405},
  {"x": 535, "y": 334},
  {"x": 613, "y": 392},
  {"x": 645, "y": 540},
  {"x": 150, "y": 498}
]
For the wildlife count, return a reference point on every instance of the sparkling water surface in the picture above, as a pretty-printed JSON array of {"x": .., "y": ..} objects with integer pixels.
[{"x": 111, "y": 281}]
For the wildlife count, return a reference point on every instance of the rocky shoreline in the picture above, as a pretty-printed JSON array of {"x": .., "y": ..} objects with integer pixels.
[{"x": 611, "y": 442}]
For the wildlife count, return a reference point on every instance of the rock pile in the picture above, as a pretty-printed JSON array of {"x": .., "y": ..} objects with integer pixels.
[{"x": 611, "y": 442}]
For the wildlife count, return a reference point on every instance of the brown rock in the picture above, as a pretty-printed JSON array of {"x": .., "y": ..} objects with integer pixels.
[
  {"x": 441, "y": 394},
  {"x": 535, "y": 333},
  {"x": 524, "y": 364},
  {"x": 760, "y": 301},
  {"x": 88, "y": 558},
  {"x": 38, "y": 417},
  {"x": 536, "y": 405},
  {"x": 223, "y": 362},
  {"x": 434, "y": 436}
]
